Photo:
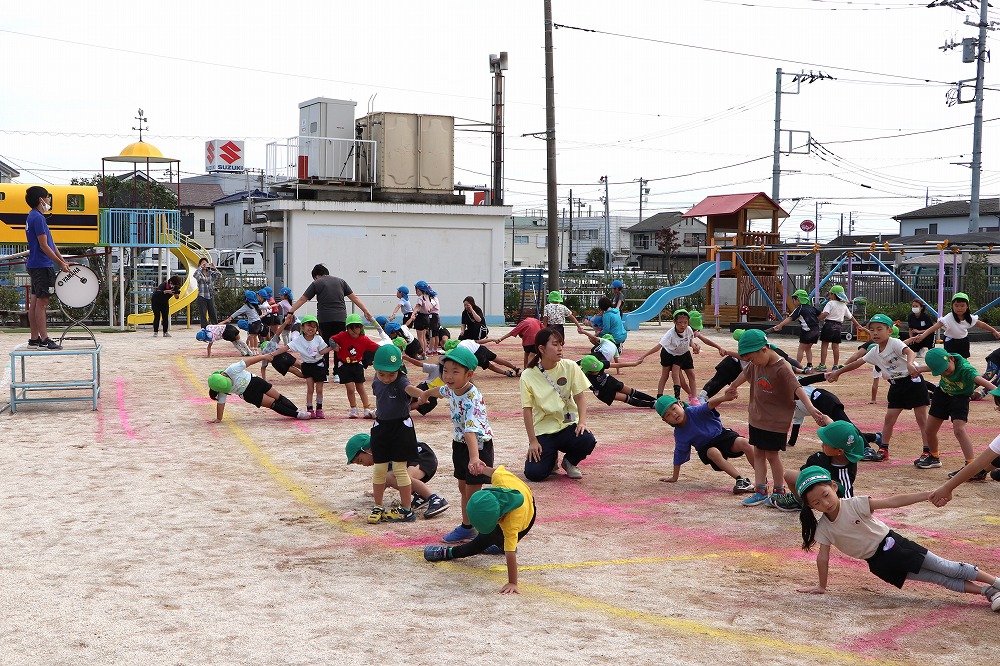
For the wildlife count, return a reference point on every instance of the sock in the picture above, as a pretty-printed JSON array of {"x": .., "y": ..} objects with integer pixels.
[
  {"x": 711, "y": 387},
  {"x": 319, "y": 404},
  {"x": 309, "y": 407},
  {"x": 677, "y": 391},
  {"x": 659, "y": 395},
  {"x": 466, "y": 527},
  {"x": 447, "y": 554},
  {"x": 284, "y": 407},
  {"x": 639, "y": 399},
  {"x": 794, "y": 435}
]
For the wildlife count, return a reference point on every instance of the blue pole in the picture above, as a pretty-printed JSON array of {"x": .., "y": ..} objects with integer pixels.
[
  {"x": 760, "y": 288},
  {"x": 902, "y": 283}
]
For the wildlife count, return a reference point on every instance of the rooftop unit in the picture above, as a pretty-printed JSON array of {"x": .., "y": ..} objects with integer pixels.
[{"x": 413, "y": 152}]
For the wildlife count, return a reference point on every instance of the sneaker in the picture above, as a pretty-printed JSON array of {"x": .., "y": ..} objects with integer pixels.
[
  {"x": 703, "y": 397},
  {"x": 399, "y": 514},
  {"x": 435, "y": 505},
  {"x": 319, "y": 414},
  {"x": 166, "y": 335},
  {"x": 493, "y": 550},
  {"x": 693, "y": 401},
  {"x": 417, "y": 502},
  {"x": 743, "y": 485},
  {"x": 376, "y": 515},
  {"x": 979, "y": 476},
  {"x": 369, "y": 413},
  {"x": 572, "y": 471},
  {"x": 435, "y": 553},
  {"x": 992, "y": 594},
  {"x": 354, "y": 413},
  {"x": 755, "y": 499},
  {"x": 806, "y": 370},
  {"x": 995, "y": 475},
  {"x": 882, "y": 454},
  {"x": 821, "y": 367},
  {"x": 156, "y": 334},
  {"x": 49, "y": 344},
  {"x": 460, "y": 534},
  {"x": 303, "y": 416},
  {"x": 929, "y": 462},
  {"x": 870, "y": 455},
  {"x": 33, "y": 342},
  {"x": 785, "y": 502}
]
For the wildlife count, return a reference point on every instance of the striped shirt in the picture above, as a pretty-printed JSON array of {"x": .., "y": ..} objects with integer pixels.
[{"x": 206, "y": 281}]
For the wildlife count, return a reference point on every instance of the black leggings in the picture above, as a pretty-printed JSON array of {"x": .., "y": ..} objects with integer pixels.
[
  {"x": 328, "y": 329},
  {"x": 161, "y": 310},
  {"x": 484, "y": 541}
]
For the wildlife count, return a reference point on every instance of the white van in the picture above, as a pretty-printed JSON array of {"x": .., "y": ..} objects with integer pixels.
[{"x": 248, "y": 259}]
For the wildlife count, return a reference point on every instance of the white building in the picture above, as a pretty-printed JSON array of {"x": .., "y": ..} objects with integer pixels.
[
  {"x": 526, "y": 242},
  {"x": 949, "y": 218},
  {"x": 590, "y": 232},
  {"x": 233, "y": 220},
  {"x": 690, "y": 239}
]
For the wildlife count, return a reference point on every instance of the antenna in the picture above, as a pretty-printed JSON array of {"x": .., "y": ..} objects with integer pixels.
[{"x": 140, "y": 128}]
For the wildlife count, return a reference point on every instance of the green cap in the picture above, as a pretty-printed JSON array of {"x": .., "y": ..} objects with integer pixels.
[
  {"x": 937, "y": 360},
  {"x": 752, "y": 340},
  {"x": 681, "y": 312},
  {"x": 895, "y": 331},
  {"x": 590, "y": 363},
  {"x": 555, "y": 297},
  {"x": 843, "y": 435},
  {"x": 608, "y": 336},
  {"x": 450, "y": 344},
  {"x": 697, "y": 323},
  {"x": 306, "y": 319},
  {"x": 664, "y": 402},
  {"x": 263, "y": 343},
  {"x": 738, "y": 333},
  {"x": 802, "y": 295},
  {"x": 881, "y": 319},
  {"x": 219, "y": 382},
  {"x": 809, "y": 477},
  {"x": 960, "y": 296},
  {"x": 387, "y": 359},
  {"x": 486, "y": 507},
  {"x": 836, "y": 289},
  {"x": 400, "y": 343},
  {"x": 357, "y": 444},
  {"x": 354, "y": 318},
  {"x": 463, "y": 357}
]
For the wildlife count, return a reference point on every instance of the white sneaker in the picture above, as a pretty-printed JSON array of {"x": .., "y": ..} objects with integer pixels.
[
  {"x": 703, "y": 397},
  {"x": 572, "y": 471},
  {"x": 156, "y": 334},
  {"x": 369, "y": 413},
  {"x": 166, "y": 335},
  {"x": 354, "y": 413},
  {"x": 303, "y": 416}
]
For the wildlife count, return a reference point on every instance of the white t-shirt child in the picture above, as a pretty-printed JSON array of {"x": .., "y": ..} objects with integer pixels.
[
  {"x": 956, "y": 329},
  {"x": 308, "y": 350},
  {"x": 838, "y": 311},
  {"x": 675, "y": 343},
  {"x": 892, "y": 359}
]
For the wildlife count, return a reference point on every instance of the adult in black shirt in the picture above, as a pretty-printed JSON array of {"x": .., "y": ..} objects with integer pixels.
[
  {"x": 160, "y": 300},
  {"x": 918, "y": 322},
  {"x": 473, "y": 321}
]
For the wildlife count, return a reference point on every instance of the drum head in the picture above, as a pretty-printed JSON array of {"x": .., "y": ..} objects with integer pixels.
[{"x": 78, "y": 288}]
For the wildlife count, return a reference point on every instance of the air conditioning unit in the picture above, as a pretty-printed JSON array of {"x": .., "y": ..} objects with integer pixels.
[{"x": 539, "y": 223}]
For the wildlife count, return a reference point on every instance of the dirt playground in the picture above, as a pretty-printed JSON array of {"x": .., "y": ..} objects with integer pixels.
[{"x": 142, "y": 534}]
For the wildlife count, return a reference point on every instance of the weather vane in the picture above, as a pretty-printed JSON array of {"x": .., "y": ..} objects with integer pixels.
[{"x": 141, "y": 120}]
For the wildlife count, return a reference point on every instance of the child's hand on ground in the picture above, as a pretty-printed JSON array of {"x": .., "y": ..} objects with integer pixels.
[
  {"x": 815, "y": 589},
  {"x": 510, "y": 588}
]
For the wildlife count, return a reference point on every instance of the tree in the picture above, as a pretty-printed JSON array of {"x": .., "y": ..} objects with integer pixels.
[
  {"x": 131, "y": 193},
  {"x": 667, "y": 242},
  {"x": 597, "y": 258},
  {"x": 976, "y": 280}
]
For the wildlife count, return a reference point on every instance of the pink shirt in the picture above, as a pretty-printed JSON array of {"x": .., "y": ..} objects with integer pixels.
[{"x": 527, "y": 329}]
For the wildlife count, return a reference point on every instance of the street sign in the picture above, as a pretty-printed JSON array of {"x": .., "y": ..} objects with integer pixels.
[{"x": 807, "y": 225}]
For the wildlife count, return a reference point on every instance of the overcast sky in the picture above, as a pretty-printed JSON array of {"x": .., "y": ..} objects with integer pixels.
[{"x": 629, "y": 104}]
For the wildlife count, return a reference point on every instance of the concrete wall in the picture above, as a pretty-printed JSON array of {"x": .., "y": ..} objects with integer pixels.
[{"x": 236, "y": 233}]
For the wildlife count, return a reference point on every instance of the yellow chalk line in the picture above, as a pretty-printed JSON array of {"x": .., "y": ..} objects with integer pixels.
[
  {"x": 577, "y": 601},
  {"x": 604, "y": 563}
]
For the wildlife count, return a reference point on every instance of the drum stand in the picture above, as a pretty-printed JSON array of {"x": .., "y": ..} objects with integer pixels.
[{"x": 78, "y": 321}]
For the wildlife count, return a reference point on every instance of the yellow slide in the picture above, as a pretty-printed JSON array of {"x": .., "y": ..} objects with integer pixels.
[{"x": 188, "y": 254}]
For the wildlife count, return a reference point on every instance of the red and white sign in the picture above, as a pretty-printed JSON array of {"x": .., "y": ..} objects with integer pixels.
[
  {"x": 224, "y": 155},
  {"x": 807, "y": 225}
]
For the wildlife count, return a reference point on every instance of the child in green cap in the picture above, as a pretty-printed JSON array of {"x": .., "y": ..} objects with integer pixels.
[
  {"x": 850, "y": 525},
  {"x": 842, "y": 447},
  {"x": 956, "y": 325},
  {"x": 990, "y": 457},
  {"x": 236, "y": 379},
  {"x": 312, "y": 350},
  {"x": 420, "y": 469},
  {"x": 351, "y": 347},
  {"x": 607, "y": 388},
  {"x": 834, "y": 314},
  {"x": 555, "y": 313},
  {"x": 502, "y": 515},
  {"x": 675, "y": 349},
  {"x": 809, "y": 327},
  {"x": 730, "y": 367},
  {"x": 950, "y": 401}
]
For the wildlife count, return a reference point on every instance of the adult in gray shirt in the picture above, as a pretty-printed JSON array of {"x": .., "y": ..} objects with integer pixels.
[{"x": 330, "y": 292}]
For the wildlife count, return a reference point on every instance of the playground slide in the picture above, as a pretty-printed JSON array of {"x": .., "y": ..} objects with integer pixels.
[
  {"x": 189, "y": 290},
  {"x": 658, "y": 300}
]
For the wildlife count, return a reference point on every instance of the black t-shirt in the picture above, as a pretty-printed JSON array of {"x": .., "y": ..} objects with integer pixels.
[
  {"x": 473, "y": 328},
  {"x": 919, "y": 322},
  {"x": 330, "y": 293},
  {"x": 807, "y": 314}
]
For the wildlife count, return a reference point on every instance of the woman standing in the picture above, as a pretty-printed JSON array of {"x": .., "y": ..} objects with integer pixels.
[
  {"x": 473, "y": 321},
  {"x": 160, "y": 301}
]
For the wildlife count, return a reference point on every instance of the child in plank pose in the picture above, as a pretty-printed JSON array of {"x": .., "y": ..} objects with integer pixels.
[
  {"x": 849, "y": 524},
  {"x": 526, "y": 329},
  {"x": 808, "y": 316},
  {"x": 226, "y": 332},
  {"x": 351, "y": 347},
  {"x": 827, "y": 403},
  {"x": 604, "y": 347},
  {"x": 956, "y": 325},
  {"x": 906, "y": 386},
  {"x": 251, "y": 310},
  {"x": 700, "y": 428},
  {"x": 950, "y": 401},
  {"x": 236, "y": 379},
  {"x": 773, "y": 389},
  {"x": 503, "y": 515},
  {"x": 607, "y": 388},
  {"x": 675, "y": 355},
  {"x": 842, "y": 448},
  {"x": 487, "y": 359},
  {"x": 420, "y": 470}
]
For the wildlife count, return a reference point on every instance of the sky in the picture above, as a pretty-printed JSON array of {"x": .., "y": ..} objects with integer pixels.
[{"x": 680, "y": 93}]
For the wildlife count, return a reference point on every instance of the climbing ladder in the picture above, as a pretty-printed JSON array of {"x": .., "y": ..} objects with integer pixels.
[{"x": 532, "y": 285}]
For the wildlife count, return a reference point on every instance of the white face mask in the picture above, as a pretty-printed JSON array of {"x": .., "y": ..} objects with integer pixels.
[
  {"x": 915, "y": 310},
  {"x": 46, "y": 207}
]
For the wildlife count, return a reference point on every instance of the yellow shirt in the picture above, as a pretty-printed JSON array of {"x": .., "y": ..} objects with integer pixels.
[
  {"x": 513, "y": 522},
  {"x": 548, "y": 406}
]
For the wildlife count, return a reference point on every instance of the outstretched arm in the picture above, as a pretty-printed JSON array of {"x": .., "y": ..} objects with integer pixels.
[
  {"x": 897, "y": 501},
  {"x": 942, "y": 495}
]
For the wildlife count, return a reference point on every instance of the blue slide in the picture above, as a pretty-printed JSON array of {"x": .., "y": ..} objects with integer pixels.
[{"x": 658, "y": 300}]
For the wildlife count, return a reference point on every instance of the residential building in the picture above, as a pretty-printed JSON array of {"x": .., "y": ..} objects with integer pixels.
[
  {"x": 690, "y": 239},
  {"x": 197, "y": 210},
  {"x": 526, "y": 242},
  {"x": 949, "y": 218},
  {"x": 233, "y": 224},
  {"x": 8, "y": 173},
  {"x": 595, "y": 231}
]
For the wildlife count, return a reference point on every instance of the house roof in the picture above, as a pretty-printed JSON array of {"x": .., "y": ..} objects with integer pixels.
[
  {"x": 727, "y": 204},
  {"x": 242, "y": 196},
  {"x": 863, "y": 239},
  {"x": 982, "y": 238},
  {"x": 8, "y": 170},
  {"x": 657, "y": 222},
  {"x": 197, "y": 195},
  {"x": 952, "y": 209}
]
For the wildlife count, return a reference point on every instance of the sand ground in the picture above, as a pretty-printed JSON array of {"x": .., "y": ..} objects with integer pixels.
[{"x": 142, "y": 534}]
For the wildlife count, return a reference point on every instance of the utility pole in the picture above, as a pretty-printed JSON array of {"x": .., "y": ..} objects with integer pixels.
[
  {"x": 550, "y": 152},
  {"x": 798, "y": 79},
  {"x": 643, "y": 193},
  {"x": 569, "y": 252},
  {"x": 818, "y": 204},
  {"x": 498, "y": 63},
  {"x": 607, "y": 229}
]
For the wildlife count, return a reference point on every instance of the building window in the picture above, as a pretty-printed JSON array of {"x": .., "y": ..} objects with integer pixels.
[
  {"x": 520, "y": 240},
  {"x": 932, "y": 227},
  {"x": 920, "y": 232},
  {"x": 640, "y": 241},
  {"x": 226, "y": 219},
  {"x": 213, "y": 229},
  {"x": 201, "y": 225},
  {"x": 541, "y": 241},
  {"x": 694, "y": 240}
]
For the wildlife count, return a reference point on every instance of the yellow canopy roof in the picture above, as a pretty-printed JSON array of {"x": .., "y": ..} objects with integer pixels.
[{"x": 139, "y": 153}]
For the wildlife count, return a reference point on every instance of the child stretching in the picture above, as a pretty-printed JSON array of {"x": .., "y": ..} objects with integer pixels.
[
  {"x": 808, "y": 317},
  {"x": 236, "y": 379},
  {"x": 730, "y": 367},
  {"x": 503, "y": 515},
  {"x": 956, "y": 325},
  {"x": 827, "y": 403},
  {"x": 393, "y": 439},
  {"x": 251, "y": 310},
  {"x": 487, "y": 359},
  {"x": 700, "y": 428},
  {"x": 403, "y": 307},
  {"x": 849, "y": 525},
  {"x": 420, "y": 470},
  {"x": 950, "y": 401},
  {"x": 607, "y": 388},
  {"x": 351, "y": 347},
  {"x": 675, "y": 355},
  {"x": 841, "y": 451},
  {"x": 526, "y": 329},
  {"x": 604, "y": 347},
  {"x": 555, "y": 313},
  {"x": 226, "y": 332},
  {"x": 990, "y": 457},
  {"x": 310, "y": 346},
  {"x": 906, "y": 386},
  {"x": 472, "y": 443},
  {"x": 773, "y": 389}
]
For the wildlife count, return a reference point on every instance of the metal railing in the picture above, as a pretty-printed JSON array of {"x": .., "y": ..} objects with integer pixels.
[
  {"x": 320, "y": 158},
  {"x": 135, "y": 227}
]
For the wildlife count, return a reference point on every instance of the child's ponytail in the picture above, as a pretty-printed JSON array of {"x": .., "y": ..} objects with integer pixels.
[{"x": 808, "y": 520}]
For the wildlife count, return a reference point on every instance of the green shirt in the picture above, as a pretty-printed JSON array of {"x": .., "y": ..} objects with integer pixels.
[{"x": 961, "y": 382}]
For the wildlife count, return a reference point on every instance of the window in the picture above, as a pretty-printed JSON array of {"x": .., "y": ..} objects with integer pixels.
[
  {"x": 248, "y": 260},
  {"x": 213, "y": 229},
  {"x": 989, "y": 229},
  {"x": 520, "y": 240},
  {"x": 920, "y": 232},
  {"x": 2, "y": 196},
  {"x": 640, "y": 241},
  {"x": 693, "y": 240},
  {"x": 541, "y": 241},
  {"x": 74, "y": 202},
  {"x": 932, "y": 227},
  {"x": 201, "y": 225},
  {"x": 226, "y": 219}
]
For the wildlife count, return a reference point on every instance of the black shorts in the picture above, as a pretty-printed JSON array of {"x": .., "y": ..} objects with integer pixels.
[
  {"x": 254, "y": 394},
  {"x": 485, "y": 357},
  {"x": 426, "y": 460},
  {"x": 393, "y": 440},
  {"x": 944, "y": 406},
  {"x": 529, "y": 349},
  {"x": 425, "y": 408},
  {"x": 283, "y": 363},
  {"x": 43, "y": 281},
  {"x": 413, "y": 349},
  {"x": 433, "y": 323},
  {"x": 728, "y": 370},
  {"x": 421, "y": 322},
  {"x": 683, "y": 361},
  {"x": 768, "y": 440},
  {"x": 271, "y": 320},
  {"x": 724, "y": 442},
  {"x": 809, "y": 337},
  {"x": 460, "y": 459},
  {"x": 349, "y": 373},
  {"x": 316, "y": 371},
  {"x": 830, "y": 405},
  {"x": 607, "y": 393},
  {"x": 255, "y": 327},
  {"x": 906, "y": 394},
  {"x": 958, "y": 346},
  {"x": 231, "y": 333},
  {"x": 559, "y": 327},
  {"x": 831, "y": 331}
]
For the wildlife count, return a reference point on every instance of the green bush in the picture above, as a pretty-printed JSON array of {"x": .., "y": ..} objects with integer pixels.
[{"x": 894, "y": 311}]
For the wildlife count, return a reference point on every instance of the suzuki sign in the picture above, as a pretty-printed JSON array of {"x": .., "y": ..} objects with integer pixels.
[{"x": 224, "y": 155}]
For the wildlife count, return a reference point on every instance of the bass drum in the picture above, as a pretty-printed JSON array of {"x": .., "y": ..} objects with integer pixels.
[{"x": 77, "y": 288}]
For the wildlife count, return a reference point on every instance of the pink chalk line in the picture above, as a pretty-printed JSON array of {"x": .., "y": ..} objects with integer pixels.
[
  {"x": 122, "y": 410},
  {"x": 888, "y": 638}
]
